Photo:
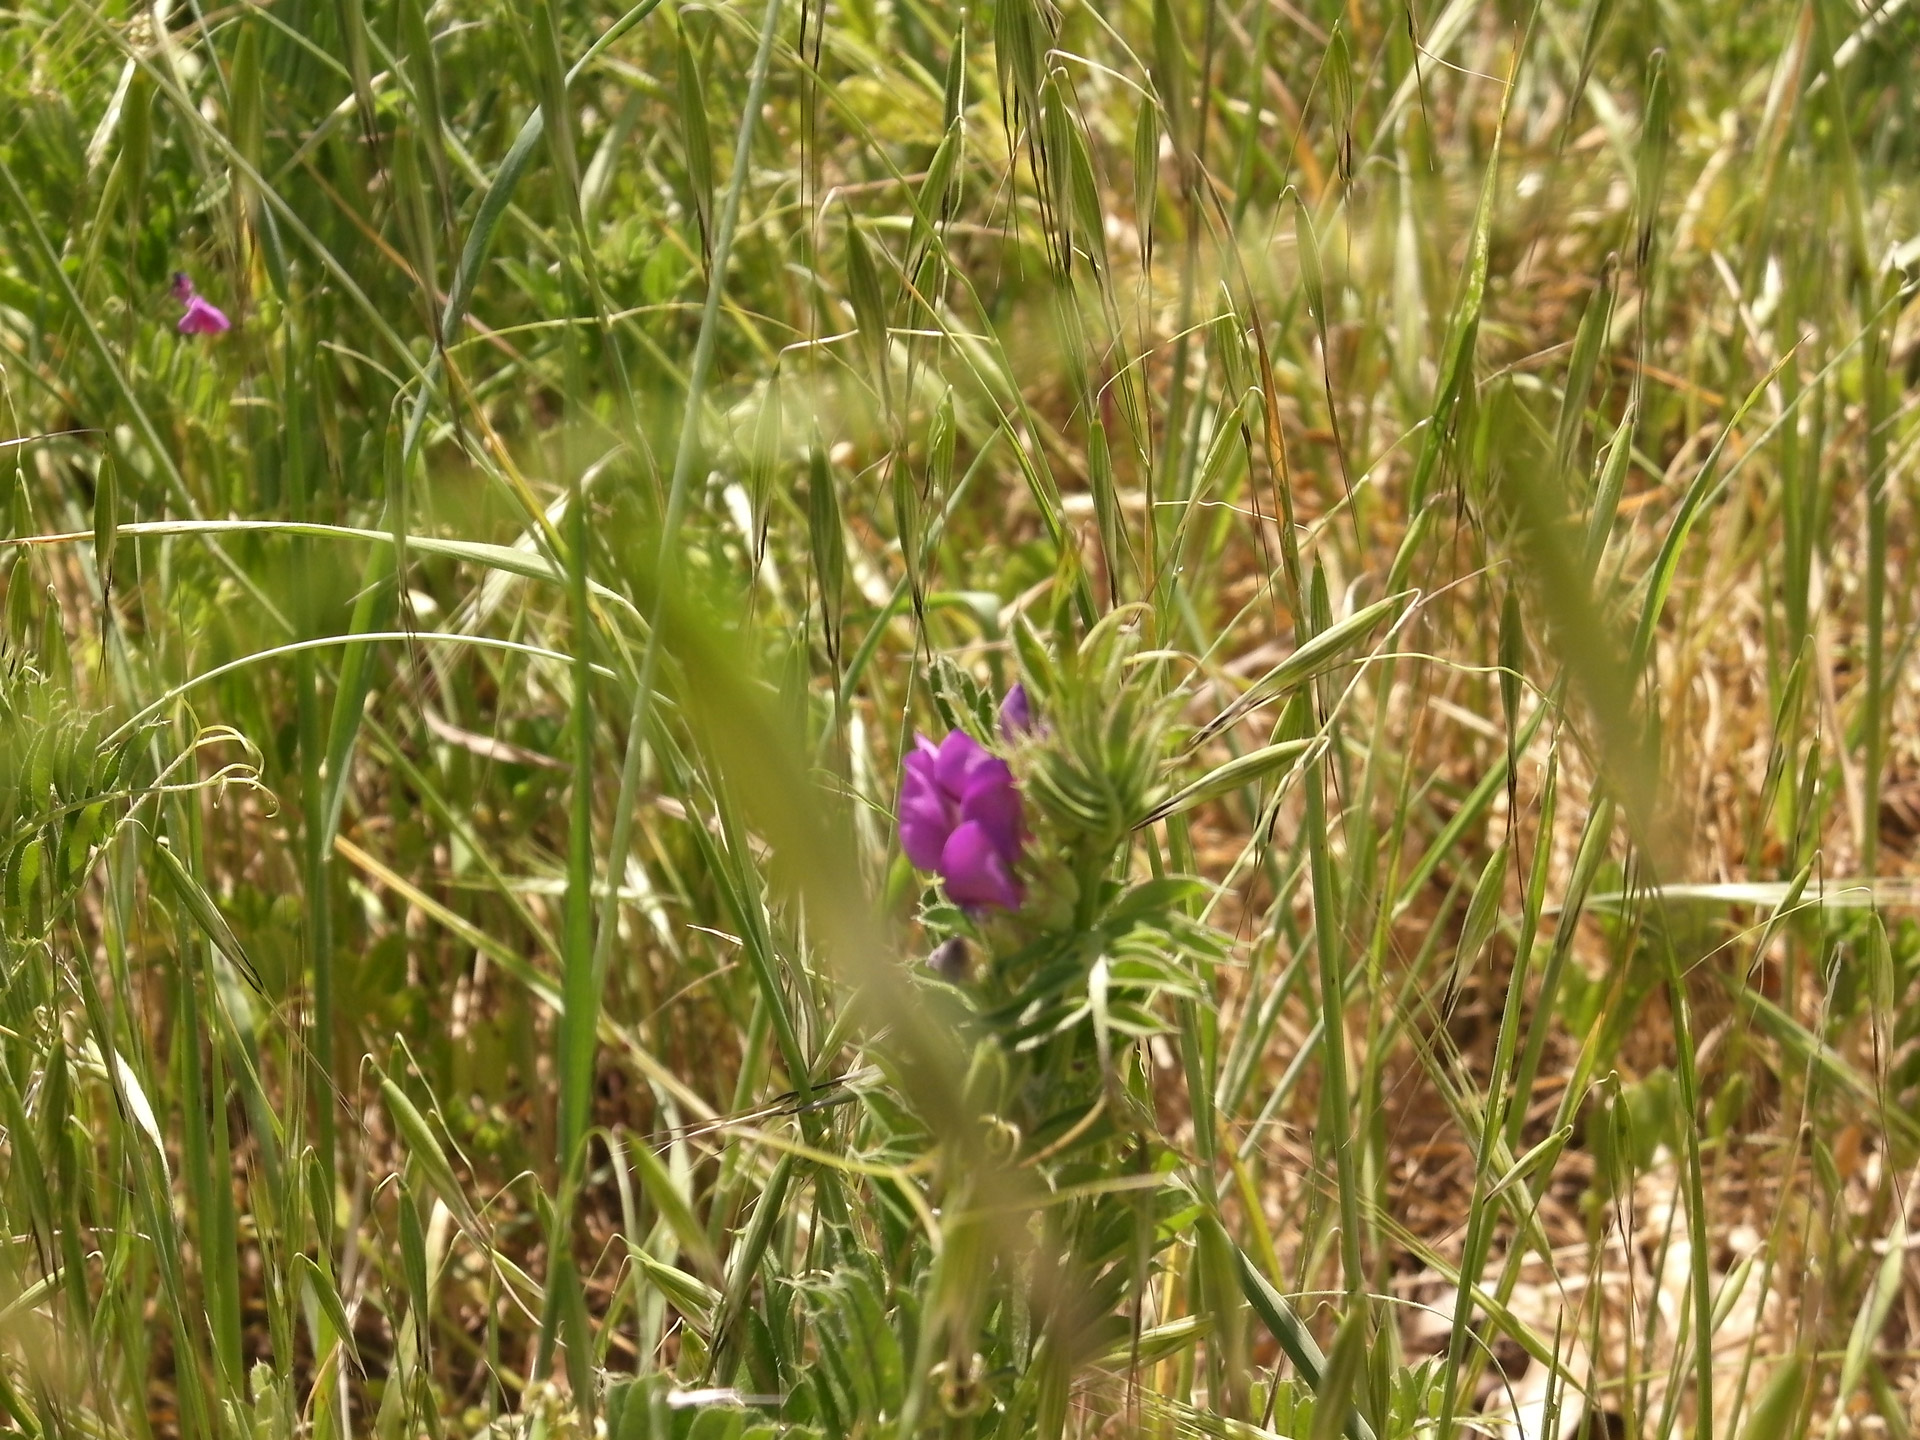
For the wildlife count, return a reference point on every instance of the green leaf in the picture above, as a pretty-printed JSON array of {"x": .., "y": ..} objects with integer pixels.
[
  {"x": 1776, "y": 1414},
  {"x": 691, "y": 93},
  {"x": 106, "y": 518},
  {"x": 205, "y": 913},
  {"x": 688, "y": 1294},
  {"x": 658, "y": 1183},
  {"x": 328, "y": 1295},
  {"x": 1235, "y": 774},
  {"x": 1318, "y": 655},
  {"x": 423, "y": 1147}
]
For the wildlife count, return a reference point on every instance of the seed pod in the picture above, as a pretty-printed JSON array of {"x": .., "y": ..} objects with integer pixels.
[
  {"x": 695, "y": 138},
  {"x": 1651, "y": 171},
  {"x": 829, "y": 547},
  {"x": 1146, "y": 175},
  {"x": 106, "y": 520},
  {"x": 869, "y": 306}
]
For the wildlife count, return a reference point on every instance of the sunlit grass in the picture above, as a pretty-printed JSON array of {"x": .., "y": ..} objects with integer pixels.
[{"x": 1444, "y": 480}]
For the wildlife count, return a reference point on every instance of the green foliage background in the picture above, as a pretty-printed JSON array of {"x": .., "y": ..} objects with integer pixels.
[{"x": 1447, "y": 471}]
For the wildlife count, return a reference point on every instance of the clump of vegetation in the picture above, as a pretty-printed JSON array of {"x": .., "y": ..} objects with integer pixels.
[{"x": 1182, "y": 718}]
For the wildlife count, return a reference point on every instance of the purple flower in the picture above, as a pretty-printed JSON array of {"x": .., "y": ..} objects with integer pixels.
[
  {"x": 203, "y": 317},
  {"x": 1016, "y": 714},
  {"x": 960, "y": 818}
]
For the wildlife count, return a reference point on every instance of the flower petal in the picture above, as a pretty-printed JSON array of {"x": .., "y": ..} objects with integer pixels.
[
  {"x": 927, "y": 814},
  {"x": 203, "y": 318},
  {"x": 993, "y": 801},
  {"x": 918, "y": 771},
  {"x": 1016, "y": 714},
  {"x": 925, "y": 825},
  {"x": 960, "y": 754},
  {"x": 975, "y": 873}
]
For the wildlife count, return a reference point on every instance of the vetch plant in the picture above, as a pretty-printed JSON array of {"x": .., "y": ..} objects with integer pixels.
[
  {"x": 1067, "y": 940},
  {"x": 1078, "y": 786},
  {"x": 1058, "y": 953}
]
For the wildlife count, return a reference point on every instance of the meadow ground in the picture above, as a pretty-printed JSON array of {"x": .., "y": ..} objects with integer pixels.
[{"x": 493, "y": 490}]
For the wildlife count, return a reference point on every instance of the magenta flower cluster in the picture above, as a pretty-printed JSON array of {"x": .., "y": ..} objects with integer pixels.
[
  {"x": 203, "y": 317},
  {"x": 960, "y": 815}
]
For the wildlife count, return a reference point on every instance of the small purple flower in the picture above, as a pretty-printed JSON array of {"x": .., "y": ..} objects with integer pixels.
[
  {"x": 960, "y": 818},
  {"x": 1016, "y": 714},
  {"x": 203, "y": 317}
]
